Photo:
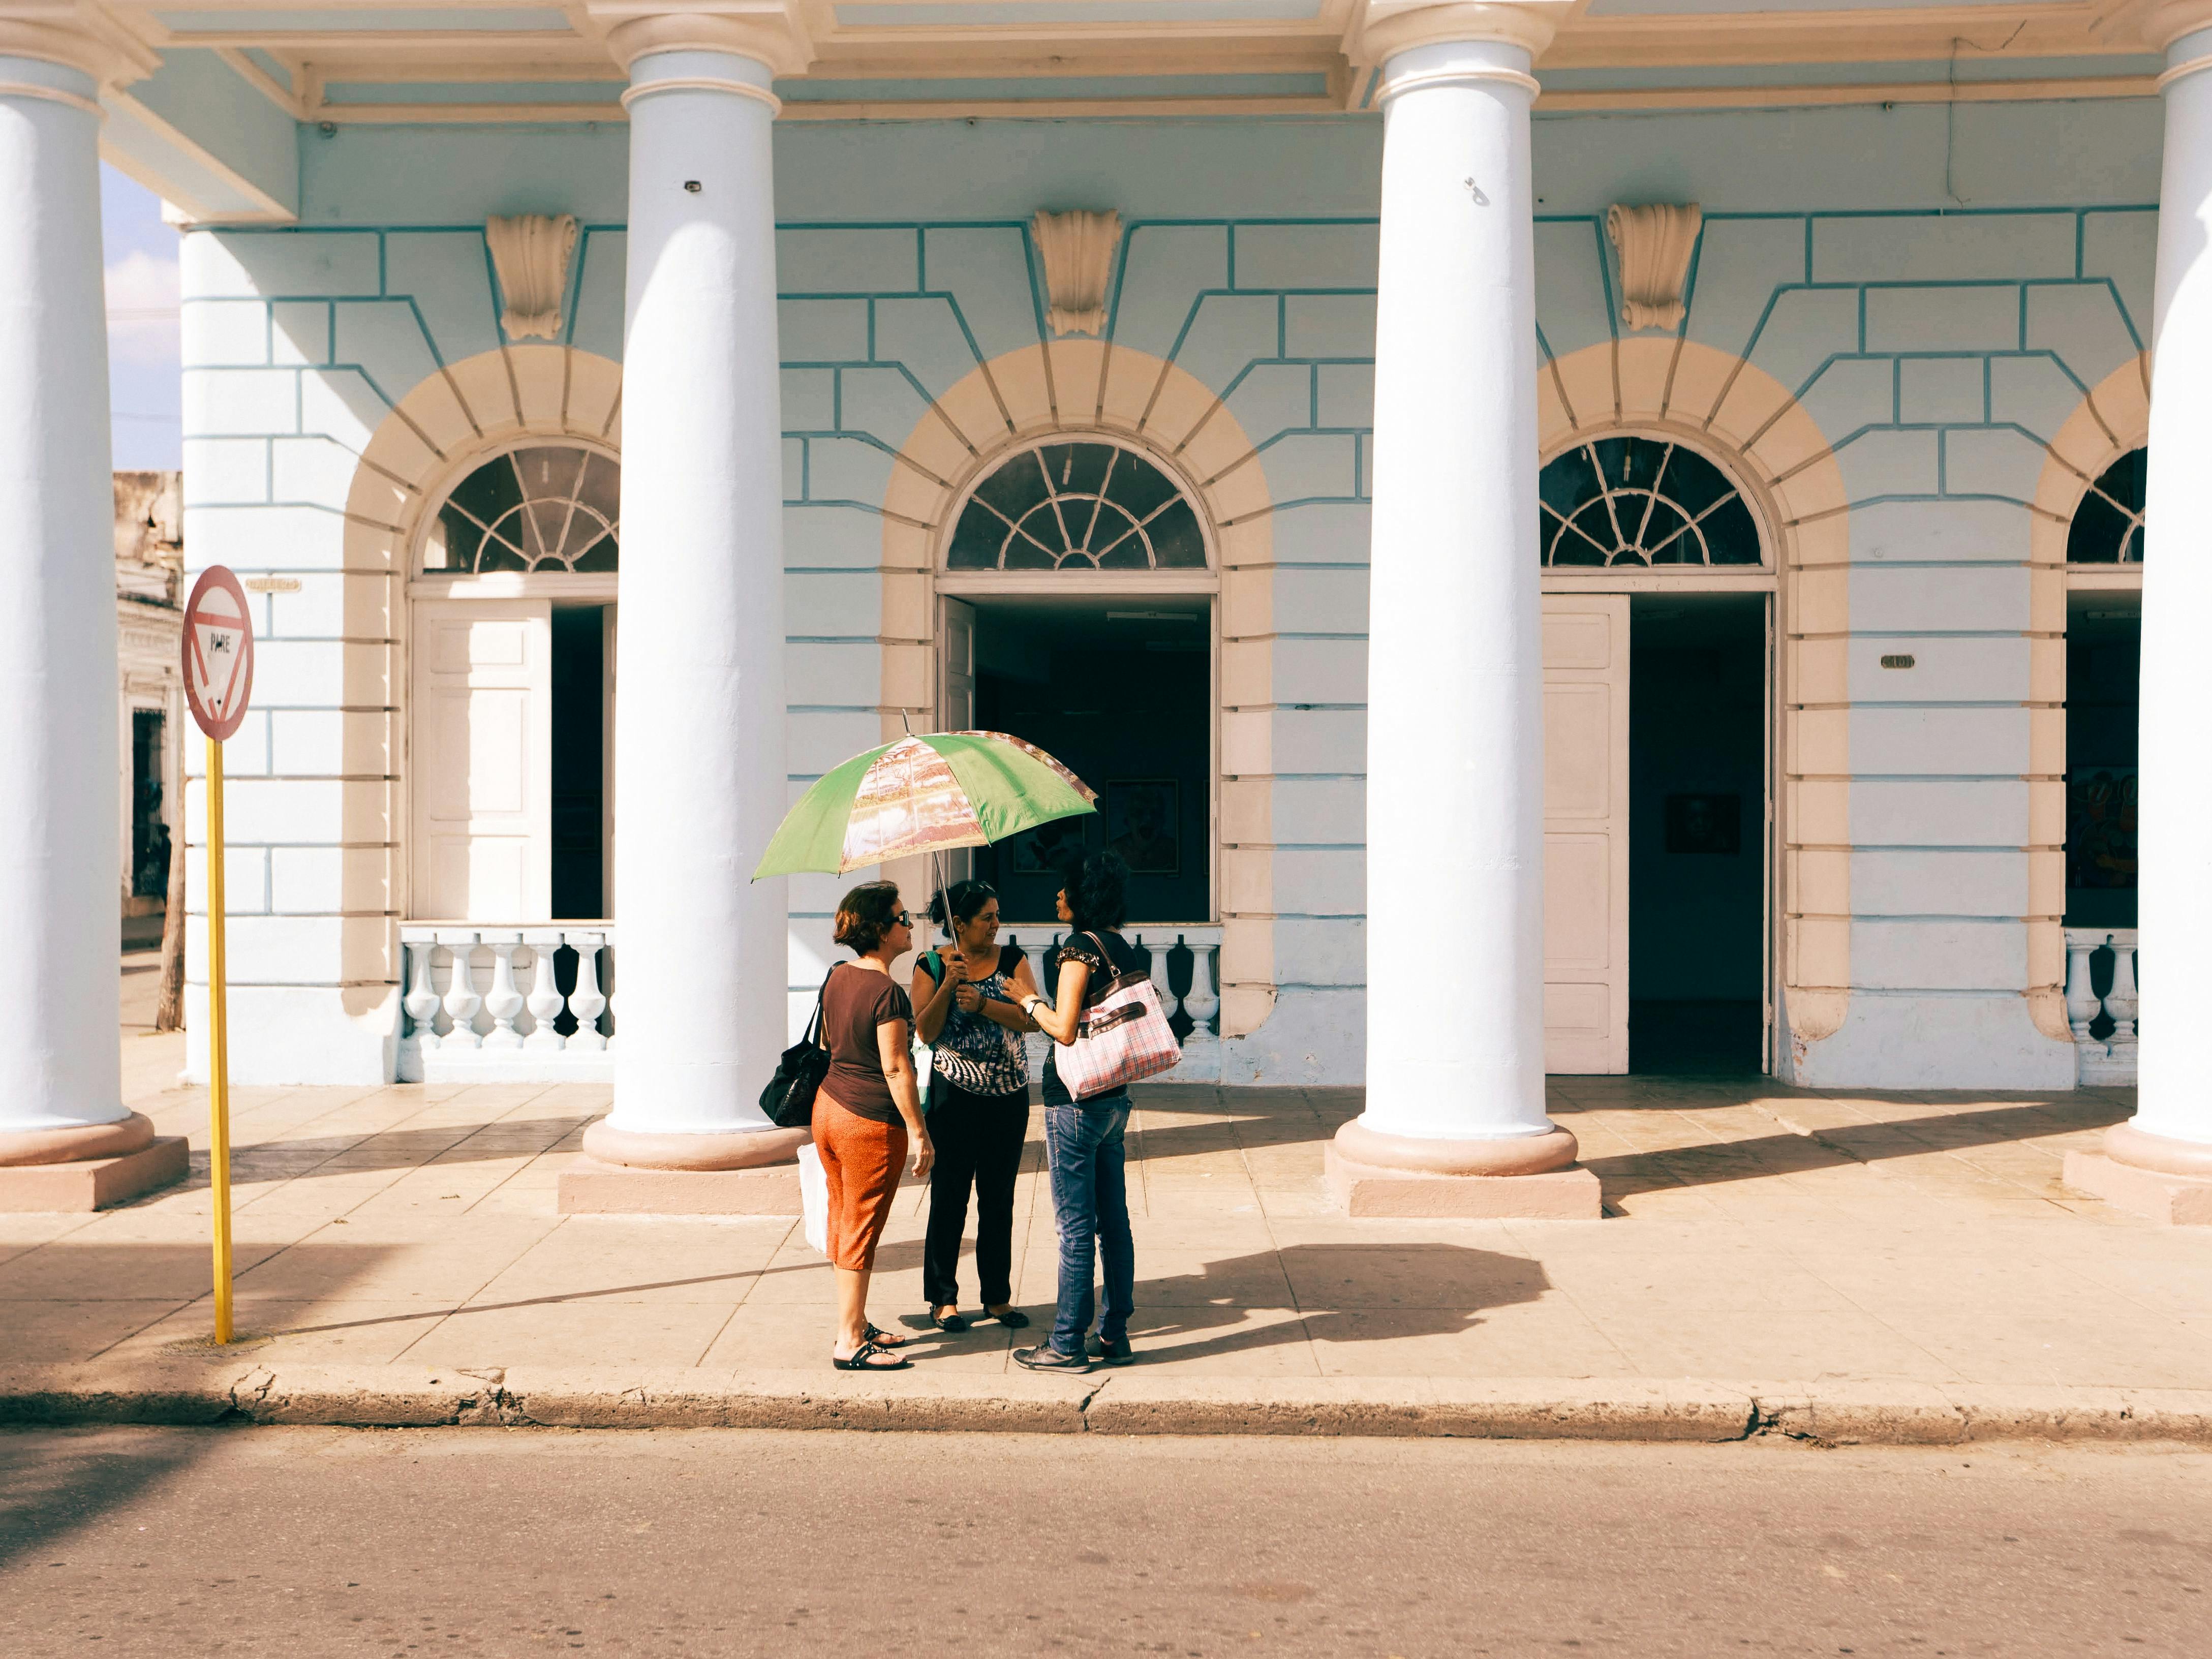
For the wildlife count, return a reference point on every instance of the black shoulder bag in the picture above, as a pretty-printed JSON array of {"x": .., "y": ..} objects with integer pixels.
[{"x": 788, "y": 1100}]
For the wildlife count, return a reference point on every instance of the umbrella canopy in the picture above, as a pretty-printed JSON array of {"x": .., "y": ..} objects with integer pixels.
[{"x": 925, "y": 793}]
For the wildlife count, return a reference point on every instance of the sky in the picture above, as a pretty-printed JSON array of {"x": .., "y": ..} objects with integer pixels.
[{"x": 144, "y": 382}]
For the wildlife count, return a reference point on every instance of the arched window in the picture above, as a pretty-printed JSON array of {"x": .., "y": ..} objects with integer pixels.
[
  {"x": 1638, "y": 500},
  {"x": 2107, "y": 526},
  {"x": 546, "y": 507},
  {"x": 1089, "y": 504}
]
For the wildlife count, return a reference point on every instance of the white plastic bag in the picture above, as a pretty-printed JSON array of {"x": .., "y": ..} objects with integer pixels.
[{"x": 814, "y": 1198}]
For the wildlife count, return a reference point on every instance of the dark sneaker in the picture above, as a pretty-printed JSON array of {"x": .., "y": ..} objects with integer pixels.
[
  {"x": 1116, "y": 1352},
  {"x": 1044, "y": 1359}
]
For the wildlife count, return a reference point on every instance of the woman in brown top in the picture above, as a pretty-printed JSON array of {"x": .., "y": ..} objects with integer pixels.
[{"x": 867, "y": 1111}]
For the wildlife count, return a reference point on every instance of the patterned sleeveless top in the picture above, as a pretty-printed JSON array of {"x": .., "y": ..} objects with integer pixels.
[{"x": 977, "y": 1053}]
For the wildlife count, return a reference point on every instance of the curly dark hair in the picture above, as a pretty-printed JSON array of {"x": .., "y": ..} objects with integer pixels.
[
  {"x": 866, "y": 914},
  {"x": 1097, "y": 888}
]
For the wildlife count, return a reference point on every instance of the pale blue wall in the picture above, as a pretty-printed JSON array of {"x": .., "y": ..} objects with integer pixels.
[{"x": 1939, "y": 292}]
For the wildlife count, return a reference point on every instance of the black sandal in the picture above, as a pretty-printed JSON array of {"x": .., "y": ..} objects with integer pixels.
[
  {"x": 882, "y": 1338},
  {"x": 859, "y": 1358}
]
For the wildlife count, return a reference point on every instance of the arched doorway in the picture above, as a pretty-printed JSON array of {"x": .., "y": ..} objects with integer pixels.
[
  {"x": 1660, "y": 589},
  {"x": 512, "y": 673},
  {"x": 1077, "y": 587}
]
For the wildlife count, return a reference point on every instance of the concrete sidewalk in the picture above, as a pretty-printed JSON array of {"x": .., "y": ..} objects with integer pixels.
[{"x": 1900, "y": 1246}]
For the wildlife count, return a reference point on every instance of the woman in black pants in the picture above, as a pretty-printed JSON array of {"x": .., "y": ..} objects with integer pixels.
[{"x": 967, "y": 1004}]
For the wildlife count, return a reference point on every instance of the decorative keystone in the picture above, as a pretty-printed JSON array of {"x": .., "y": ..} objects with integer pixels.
[
  {"x": 1078, "y": 250},
  {"x": 1655, "y": 244},
  {"x": 531, "y": 254}
]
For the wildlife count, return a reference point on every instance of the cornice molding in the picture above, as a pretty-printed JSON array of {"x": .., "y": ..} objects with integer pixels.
[
  {"x": 765, "y": 31},
  {"x": 2164, "y": 21},
  {"x": 1385, "y": 27},
  {"x": 77, "y": 38}
]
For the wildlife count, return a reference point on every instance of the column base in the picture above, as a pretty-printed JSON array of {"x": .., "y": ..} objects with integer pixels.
[
  {"x": 1527, "y": 1177},
  {"x": 626, "y": 1172},
  {"x": 2168, "y": 1181},
  {"x": 77, "y": 1186}
]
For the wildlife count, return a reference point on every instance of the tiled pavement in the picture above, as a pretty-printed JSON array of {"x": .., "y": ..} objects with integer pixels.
[{"x": 1752, "y": 1232}]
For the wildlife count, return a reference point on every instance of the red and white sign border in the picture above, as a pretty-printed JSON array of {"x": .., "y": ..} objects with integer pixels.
[{"x": 216, "y": 577}]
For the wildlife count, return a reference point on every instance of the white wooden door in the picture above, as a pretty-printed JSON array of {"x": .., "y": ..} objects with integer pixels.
[
  {"x": 956, "y": 703},
  {"x": 1586, "y": 832},
  {"x": 483, "y": 752}
]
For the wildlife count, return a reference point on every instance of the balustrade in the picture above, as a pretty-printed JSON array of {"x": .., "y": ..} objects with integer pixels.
[
  {"x": 467, "y": 1017},
  {"x": 1175, "y": 951},
  {"x": 2104, "y": 1023}
]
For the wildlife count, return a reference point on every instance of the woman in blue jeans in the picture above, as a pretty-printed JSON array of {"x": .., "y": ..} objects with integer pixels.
[{"x": 1083, "y": 1139}]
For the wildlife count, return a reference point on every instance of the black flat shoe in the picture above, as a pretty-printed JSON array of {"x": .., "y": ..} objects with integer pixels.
[
  {"x": 1043, "y": 1358},
  {"x": 1013, "y": 1319},
  {"x": 953, "y": 1322},
  {"x": 863, "y": 1358}
]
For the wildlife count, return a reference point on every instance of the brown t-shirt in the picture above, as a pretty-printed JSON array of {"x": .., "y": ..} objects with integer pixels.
[{"x": 855, "y": 1002}]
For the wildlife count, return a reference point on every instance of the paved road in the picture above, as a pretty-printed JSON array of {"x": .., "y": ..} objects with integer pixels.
[{"x": 306, "y": 1542}]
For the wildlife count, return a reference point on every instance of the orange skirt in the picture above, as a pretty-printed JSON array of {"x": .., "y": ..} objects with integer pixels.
[{"x": 861, "y": 1161}]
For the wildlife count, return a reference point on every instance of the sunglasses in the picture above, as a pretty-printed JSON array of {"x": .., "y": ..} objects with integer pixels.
[{"x": 902, "y": 920}]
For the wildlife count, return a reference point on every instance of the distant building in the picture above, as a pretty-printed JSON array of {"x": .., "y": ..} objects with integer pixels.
[{"x": 149, "y": 563}]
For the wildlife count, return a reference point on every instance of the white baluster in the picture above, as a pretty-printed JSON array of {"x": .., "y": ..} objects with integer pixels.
[
  {"x": 544, "y": 1001},
  {"x": 1202, "y": 1004},
  {"x": 585, "y": 1001},
  {"x": 1201, "y": 1049},
  {"x": 1156, "y": 944},
  {"x": 2080, "y": 999},
  {"x": 421, "y": 1002},
  {"x": 503, "y": 1002},
  {"x": 2120, "y": 1001},
  {"x": 461, "y": 999}
]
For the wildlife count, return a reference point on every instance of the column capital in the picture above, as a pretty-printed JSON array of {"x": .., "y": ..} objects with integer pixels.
[
  {"x": 78, "y": 39},
  {"x": 1385, "y": 27},
  {"x": 2162, "y": 22},
  {"x": 766, "y": 31}
]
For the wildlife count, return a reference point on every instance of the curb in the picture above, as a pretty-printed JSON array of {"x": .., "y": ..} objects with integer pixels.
[{"x": 1829, "y": 1413}]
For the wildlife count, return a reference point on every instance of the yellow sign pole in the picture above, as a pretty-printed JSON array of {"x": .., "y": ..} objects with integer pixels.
[{"x": 218, "y": 1048}]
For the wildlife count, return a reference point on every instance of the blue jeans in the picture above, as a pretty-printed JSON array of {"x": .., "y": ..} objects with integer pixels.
[{"x": 1090, "y": 1198}]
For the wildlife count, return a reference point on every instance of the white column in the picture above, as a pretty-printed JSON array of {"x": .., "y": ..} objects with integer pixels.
[
  {"x": 2164, "y": 1154},
  {"x": 1454, "y": 756},
  {"x": 699, "y": 777},
  {"x": 60, "y": 1078}
]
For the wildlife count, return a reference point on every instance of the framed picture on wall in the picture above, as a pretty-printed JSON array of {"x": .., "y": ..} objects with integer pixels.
[
  {"x": 1704, "y": 823},
  {"x": 2100, "y": 826},
  {"x": 1043, "y": 850},
  {"x": 1144, "y": 824}
]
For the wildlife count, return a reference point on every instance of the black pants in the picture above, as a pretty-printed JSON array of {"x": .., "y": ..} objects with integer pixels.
[{"x": 978, "y": 1142}]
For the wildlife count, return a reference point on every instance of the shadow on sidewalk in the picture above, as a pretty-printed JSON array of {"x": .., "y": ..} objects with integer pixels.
[
  {"x": 1713, "y": 1162},
  {"x": 1335, "y": 1292}
]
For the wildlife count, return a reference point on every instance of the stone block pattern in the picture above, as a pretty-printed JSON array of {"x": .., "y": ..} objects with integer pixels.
[
  {"x": 1952, "y": 362},
  {"x": 1944, "y": 359}
]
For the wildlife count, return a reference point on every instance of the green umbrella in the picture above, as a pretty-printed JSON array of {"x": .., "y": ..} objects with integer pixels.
[{"x": 928, "y": 792}]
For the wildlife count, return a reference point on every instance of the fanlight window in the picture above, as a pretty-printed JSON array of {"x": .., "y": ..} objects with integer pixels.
[
  {"x": 2108, "y": 525},
  {"x": 1629, "y": 501},
  {"x": 550, "y": 506},
  {"x": 1082, "y": 506}
]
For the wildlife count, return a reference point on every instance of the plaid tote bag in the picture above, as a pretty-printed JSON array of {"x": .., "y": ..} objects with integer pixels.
[{"x": 1124, "y": 1036}]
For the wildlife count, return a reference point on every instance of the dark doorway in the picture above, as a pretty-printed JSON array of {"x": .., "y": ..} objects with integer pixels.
[
  {"x": 1122, "y": 691},
  {"x": 2104, "y": 669},
  {"x": 579, "y": 772},
  {"x": 149, "y": 833},
  {"x": 1697, "y": 780}
]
